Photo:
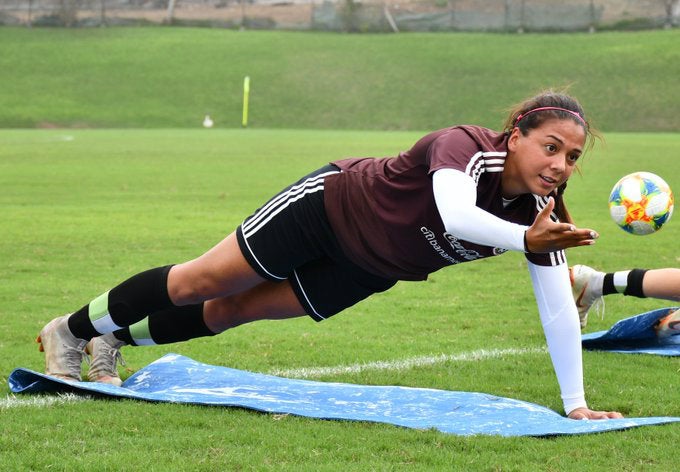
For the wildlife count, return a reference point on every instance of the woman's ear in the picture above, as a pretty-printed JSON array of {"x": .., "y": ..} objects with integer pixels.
[{"x": 514, "y": 137}]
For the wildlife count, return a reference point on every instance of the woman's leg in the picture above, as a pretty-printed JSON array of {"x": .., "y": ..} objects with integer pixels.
[
  {"x": 219, "y": 273},
  {"x": 590, "y": 285},
  {"x": 662, "y": 283},
  {"x": 268, "y": 300},
  {"x": 276, "y": 240}
]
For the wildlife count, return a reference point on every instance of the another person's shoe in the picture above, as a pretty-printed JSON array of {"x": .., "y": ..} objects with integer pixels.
[
  {"x": 584, "y": 287},
  {"x": 669, "y": 325},
  {"x": 105, "y": 352},
  {"x": 64, "y": 353}
]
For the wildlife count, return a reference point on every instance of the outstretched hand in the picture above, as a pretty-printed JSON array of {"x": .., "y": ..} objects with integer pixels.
[
  {"x": 587, "y": 414},
  {"x": 544, "y": 235}
]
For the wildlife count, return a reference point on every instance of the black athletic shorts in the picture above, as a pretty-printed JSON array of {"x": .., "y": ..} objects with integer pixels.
[{"x": 290, "y": 238}]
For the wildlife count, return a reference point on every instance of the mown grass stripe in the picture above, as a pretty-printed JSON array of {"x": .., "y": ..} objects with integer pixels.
[
  {"x": 405, "y": 364},
  {"x": 41, "y": 401}
]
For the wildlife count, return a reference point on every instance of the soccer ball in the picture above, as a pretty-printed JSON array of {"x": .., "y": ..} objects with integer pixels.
[{"x": 641, "y": 203}]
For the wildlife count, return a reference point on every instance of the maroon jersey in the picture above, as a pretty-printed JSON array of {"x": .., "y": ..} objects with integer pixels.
[{"x": 384, "y": 215}]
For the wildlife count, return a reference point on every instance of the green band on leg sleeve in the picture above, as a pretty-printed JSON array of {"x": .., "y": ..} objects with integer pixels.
[
  {"x": 140, "y": 332},
  {"x": 99, "y": 307}
]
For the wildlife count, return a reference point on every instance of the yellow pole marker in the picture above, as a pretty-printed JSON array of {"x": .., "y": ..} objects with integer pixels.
[{"x": 246, "y": 93}]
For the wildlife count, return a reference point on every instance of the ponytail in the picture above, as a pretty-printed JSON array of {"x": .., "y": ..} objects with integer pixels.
[{"x": 560, "y": 207}]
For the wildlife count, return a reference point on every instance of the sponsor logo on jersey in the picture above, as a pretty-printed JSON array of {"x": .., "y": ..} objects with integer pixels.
[
  {"x": 432, "y": 240},
  {"x": 462, "y": 251}
]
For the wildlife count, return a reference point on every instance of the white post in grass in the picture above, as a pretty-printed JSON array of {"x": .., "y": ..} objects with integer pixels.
[
  {"x": 390, "y": 18},
  {"x": 171, "y": 12},
  {"x": 246, "y": 93}
]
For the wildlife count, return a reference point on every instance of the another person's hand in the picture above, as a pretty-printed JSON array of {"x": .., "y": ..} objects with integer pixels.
[
  {"x": 544, "y": 235},
  {"x": 588, "y": 414}
]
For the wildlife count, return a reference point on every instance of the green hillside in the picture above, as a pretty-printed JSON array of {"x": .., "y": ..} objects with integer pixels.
[{"x": 171, "y": 77}]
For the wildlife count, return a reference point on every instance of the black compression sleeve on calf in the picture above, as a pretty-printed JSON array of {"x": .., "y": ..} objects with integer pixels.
[
  {"x": 127, "y": 303},
  {"x": 178, "y": 324},
  {"x": 140, "y": 295},
  {"x": 172, "y": 325},
  {"x": 124, "y": 335},
  {"x": 634, "y": 287}
]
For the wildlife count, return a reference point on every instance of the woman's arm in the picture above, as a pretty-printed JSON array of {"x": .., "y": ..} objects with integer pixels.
[
  {"x": 563, "y": 335},
  {"x": 455, "y": 194}
]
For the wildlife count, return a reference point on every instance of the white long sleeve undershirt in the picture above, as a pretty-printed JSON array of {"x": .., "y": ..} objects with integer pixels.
[
  {"x": 562, "y": 330},
  {"x": 455, "y": 194}
]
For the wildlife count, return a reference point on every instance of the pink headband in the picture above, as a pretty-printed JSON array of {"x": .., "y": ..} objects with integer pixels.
[{"x": 577, "y": 115}]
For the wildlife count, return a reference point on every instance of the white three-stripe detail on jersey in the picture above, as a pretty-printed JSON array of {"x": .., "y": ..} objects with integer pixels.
[
  {"x": 484, "y": 162},
  {"x": 557, "y": 258},
  {"x": 541, "y": 202}
]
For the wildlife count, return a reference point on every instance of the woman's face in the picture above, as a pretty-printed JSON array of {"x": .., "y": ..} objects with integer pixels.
[{"x": 544, "y": 159}]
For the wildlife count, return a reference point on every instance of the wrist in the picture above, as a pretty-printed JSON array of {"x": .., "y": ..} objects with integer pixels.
[
  {"x": 570, "y": 406},
  {"x": 526, "y": 245}
]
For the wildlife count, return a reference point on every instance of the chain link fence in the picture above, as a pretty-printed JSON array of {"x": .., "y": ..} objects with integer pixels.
[{"x": 351, "y": 15}]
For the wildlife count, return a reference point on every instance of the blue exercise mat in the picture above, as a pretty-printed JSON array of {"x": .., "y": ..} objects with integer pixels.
[
  {"x": 179, "y": 379},
  {"x": 635, "y": 335}
]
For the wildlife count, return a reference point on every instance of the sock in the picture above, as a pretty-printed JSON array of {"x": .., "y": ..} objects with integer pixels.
[
  {"x": 171, "y": 325},
  {"x": 628, "y": 282},
  {"x": 615, "y": 282},
  {"x": 123, "y": 305}
]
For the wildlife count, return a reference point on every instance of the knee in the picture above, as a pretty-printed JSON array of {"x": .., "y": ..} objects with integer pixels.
[
  {"x": 187, "y": 289},
  {"x": 224, "y": 313}
]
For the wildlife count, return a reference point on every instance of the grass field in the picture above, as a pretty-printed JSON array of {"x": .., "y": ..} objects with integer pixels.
[
  {"x": 172, "y": 77},
  {"x": 83, "y": 209}
]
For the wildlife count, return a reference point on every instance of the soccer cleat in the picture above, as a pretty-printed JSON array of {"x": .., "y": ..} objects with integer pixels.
[
  {"x": 584, "y": 286},
  {"x": 64, "y": 353},
  {"x": 105, "y": 352},
  {"x": 669, "y": 325}
]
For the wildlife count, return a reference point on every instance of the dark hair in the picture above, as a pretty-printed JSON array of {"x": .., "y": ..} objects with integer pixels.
[{"x": 558, "y": 105}]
